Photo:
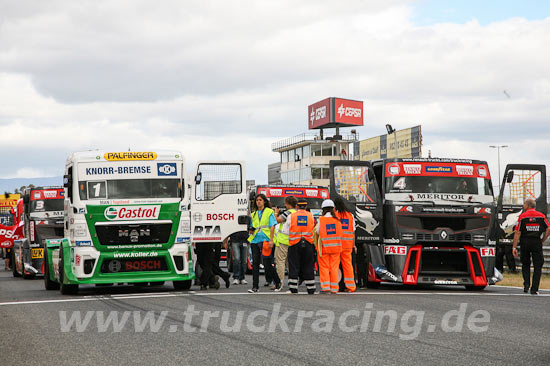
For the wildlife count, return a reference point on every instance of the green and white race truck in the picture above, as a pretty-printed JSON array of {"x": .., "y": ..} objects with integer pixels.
[{"x": 132, "y": 217}]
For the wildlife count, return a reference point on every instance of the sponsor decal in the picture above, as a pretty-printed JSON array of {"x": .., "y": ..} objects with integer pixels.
[
  {"x": 120, "y": 170},
  {"x": 482, "y": 171},
  {"x": 345, "y": 224},
  {"x": 482, "y": 210},
  {"x": 445, "y": 282},
  {"x": 331, "y": 229},
  {"x": 393, "y": 169},
  {"x": 443, "y": 209},
  {"x": 48, "y": 194},
  {"x": 487, "y": 252},
  {"x": 207, "y": 233},
  {"x": 412, "y": 168},
  {"x": 465, "y": 170},
  {"x": 182, "y": 240},
  {"x": 5, "y": 244},
  {"x": 83, "y": 243},
  {"x": 130, "y": 155},
  {"x": 532, "y": 227},
  {"x": 349, "y": 111},
  {"x": 242, "y": 201},
  {"x": 403, "y": 209},
  {"x": 276, "y": 192},
  {"x": 438, "y": 169},
  {"x": 441, "y": 196},
  {"x": 290, "y": 192},
  {"x": 120, "y": 202},
  {"x": 220, "y": 217},
  {"x": 167, "y": 169},
  {"x": 77, "y": 259},
  {"x": 312, "y": 193},
  {"x": 395, "y": 250},
  {"x": 302, "y": 220},
  {"x": 444, "y": 235},
  {"x": 391, "y": 241},
  {"x": 197, "y": 216},
  {"x": 324, "y": 194},
  {"x": 366, "y": 220},
  {"x": 132, "y": 212}
]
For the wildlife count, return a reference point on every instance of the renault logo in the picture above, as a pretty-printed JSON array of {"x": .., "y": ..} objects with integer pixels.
[{"x": 444, "y": 235}]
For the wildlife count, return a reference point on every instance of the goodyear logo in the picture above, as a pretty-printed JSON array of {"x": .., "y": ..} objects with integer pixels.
[
  {"x": 345, "y": 224},
  {"x": 439, "y": 169},
  {"x": 302, "y": 220},
  {"x": 130, "y": 155},
  {"x": 331, "y": 229},
  {"x": 294, "y": 191}
]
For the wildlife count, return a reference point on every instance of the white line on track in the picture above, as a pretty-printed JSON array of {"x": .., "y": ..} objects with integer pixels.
[{"x": 193, "y": 293}]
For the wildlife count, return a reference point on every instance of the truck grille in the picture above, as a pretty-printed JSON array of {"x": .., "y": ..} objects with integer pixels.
[
  {"x": 133, "y": 234},
  {"x": 436, "y": 237}
]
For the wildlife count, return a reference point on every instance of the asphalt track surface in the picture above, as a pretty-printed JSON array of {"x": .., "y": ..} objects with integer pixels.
[{"x": 31, "y": 333}]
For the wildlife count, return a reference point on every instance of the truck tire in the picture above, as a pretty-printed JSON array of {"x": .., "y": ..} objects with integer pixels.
[
  {"x": 48, "y": 283},
  {"x": 25, "y": 276},
  {"x": 474, "y": 288},
  {"x": 13, "y": 265},
  {"x": 182, "y": 285},
  {"x": 66, "y": 289}
]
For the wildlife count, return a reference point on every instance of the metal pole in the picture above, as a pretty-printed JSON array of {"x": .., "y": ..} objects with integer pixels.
[{"x": 499, "y": 176}]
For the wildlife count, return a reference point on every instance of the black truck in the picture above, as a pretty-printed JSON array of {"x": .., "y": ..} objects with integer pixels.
[{"x": 421, "y": 221}]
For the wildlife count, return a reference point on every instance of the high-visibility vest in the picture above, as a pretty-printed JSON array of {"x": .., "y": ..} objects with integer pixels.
[
  {"x": 330, "y": 235},
  {"x": 261, "y": 224},
  {"x": 302, "y": 225},
  {"x": 348, "y": 231},
  {"x": 282, "y": 238}
]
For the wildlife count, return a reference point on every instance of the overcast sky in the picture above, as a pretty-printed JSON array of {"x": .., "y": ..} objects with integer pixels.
[{"x": 225, "y": 79}]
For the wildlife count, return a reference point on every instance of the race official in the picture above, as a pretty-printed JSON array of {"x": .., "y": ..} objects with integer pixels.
[
  {"x": 531, "y": 231},
  {"x": 261, "y": 239},
  {"x": 281, "y": 238},
  {"x": 328, "y": 241},
  {"x": 348, "y": 243},
  {"x": 301, "y": 251}
]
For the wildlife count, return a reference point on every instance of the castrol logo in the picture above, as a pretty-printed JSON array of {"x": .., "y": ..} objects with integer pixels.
[{"x": 132, "y": 212}]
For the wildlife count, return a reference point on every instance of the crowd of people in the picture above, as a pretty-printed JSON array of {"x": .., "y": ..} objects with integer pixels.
[{"x": 288, "y": 240}]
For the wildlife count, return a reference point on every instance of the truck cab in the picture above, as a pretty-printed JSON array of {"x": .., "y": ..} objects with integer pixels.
[
  {"x": 42, "y": 218},
  {"x": 422, "y": 221}
]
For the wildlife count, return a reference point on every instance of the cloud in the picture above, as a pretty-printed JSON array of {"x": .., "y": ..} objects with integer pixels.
[{"x": 226, "y": 79}]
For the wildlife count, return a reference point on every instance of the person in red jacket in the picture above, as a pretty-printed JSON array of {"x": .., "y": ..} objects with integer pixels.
[{"x": 531, "y": 231}]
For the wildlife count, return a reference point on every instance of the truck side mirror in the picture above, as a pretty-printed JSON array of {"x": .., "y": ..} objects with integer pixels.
[
  {"x": 510, "y": 176},
  {"x": 252, "y": 196},
  {"x": 243, "y": 220},
  {"x": 198, "y": 178}
]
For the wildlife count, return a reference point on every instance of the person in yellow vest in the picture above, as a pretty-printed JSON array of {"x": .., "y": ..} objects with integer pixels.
[
  {"x": 261, "y": 239},
  {"x": 301, "y": 252},
  {"x": 348, "y": 243},
  {"x": 328, "y": 241},
  {"x": 281, "y": 238}
]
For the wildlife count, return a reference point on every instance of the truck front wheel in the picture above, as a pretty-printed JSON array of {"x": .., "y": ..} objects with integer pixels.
[
  {"x": 48, "y": 283},
  {"x": 182, "y": 285},
  {"x": 66, "y": 289}
]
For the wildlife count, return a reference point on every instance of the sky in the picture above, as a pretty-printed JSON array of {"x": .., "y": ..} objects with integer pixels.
[{"x": 226, "y": 79}]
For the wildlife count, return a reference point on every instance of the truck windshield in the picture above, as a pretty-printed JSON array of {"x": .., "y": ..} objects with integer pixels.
[
  {"x": 433, "y": 184},
  {"x": 47, "y": 205},
  {"x": 130, "y": 188}
]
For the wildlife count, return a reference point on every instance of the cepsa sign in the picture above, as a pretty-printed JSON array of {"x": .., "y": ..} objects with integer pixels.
[{"x": 335, "y": 112}]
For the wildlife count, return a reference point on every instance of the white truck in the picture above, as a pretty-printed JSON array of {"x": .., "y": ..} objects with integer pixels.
[{"x": 131, "y": 217}]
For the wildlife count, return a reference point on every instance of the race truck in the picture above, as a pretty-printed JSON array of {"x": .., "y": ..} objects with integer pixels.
[
  {"x": 421, "y": 221},
  {"x": 42, "y": 218},
  {"x": 129, "y": 218}
]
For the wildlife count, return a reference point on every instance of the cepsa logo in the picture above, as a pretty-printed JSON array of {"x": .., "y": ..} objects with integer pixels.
[
  {"x": 317, "y": 114},
  {"x": 395, "y": 250},
  {"x": 349, "y": 111},
  {"x": 132, "y": 212}
]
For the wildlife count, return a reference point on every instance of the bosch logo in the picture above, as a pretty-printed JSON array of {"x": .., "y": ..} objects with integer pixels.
[
  {"x": 166, "y": 169},
  {"x": 349, "y": 111}
]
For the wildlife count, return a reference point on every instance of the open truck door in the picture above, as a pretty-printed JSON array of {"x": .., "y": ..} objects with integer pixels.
[
  {"x": 520, "y": 182},
  {"x": 218, "y": 200},
  {"x": 355, "y": 182}
]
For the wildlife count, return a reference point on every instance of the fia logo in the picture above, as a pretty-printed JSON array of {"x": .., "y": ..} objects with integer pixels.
[
  {"x": 331, "y": 229},
  {"x": 345, "y": 224}
]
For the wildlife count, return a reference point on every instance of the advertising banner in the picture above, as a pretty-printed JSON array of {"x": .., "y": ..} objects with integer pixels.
[
  {"x": 409, "y": 145},
  {"x": 335, "y": 112}
]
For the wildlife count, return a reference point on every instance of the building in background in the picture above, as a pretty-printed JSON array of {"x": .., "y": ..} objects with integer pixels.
[
  {"x": 274, "y": 173},
  {"x": 304, "y": 159},
  {"x": 409, "y": 145}
]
